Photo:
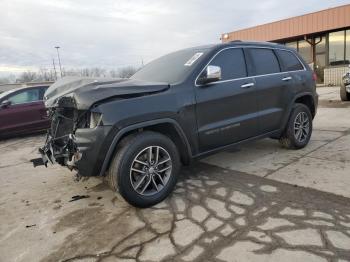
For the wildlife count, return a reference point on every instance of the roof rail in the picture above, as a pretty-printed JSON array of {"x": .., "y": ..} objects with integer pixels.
[{"x": 234, "y": 41}]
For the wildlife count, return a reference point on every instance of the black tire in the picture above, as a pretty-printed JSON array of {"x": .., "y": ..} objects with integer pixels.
[
  {"x": 290, "y": 137},
  {"x": 344, "y": 96},
  {"x": 120, "y": 176}
]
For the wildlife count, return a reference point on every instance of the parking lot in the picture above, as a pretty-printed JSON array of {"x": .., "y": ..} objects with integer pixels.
[{"x": 257, "y": 202}]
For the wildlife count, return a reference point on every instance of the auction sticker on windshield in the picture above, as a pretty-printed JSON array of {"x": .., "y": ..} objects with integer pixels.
[{"x": 193, "y": 59}]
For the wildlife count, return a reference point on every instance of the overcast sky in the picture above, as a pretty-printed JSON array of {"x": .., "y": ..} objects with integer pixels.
[{"x": 117, "y": 33}]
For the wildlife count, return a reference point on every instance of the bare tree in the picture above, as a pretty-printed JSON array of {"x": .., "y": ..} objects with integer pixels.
[
  {"x": 28, "y": 76},
  {"x": 127, "y": 72},
  {"x": 98, "y": 72},
  {"x": 46, "y": 75},
  {"x": 113, "y": 73},
  {"x": 4, "y": 80},
  {"x": 124, "y": 72}
]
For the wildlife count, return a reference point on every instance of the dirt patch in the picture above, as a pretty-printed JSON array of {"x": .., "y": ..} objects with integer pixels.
[
  {"x": 99, "y": 188},
  {"x": 96, "y": 231}
]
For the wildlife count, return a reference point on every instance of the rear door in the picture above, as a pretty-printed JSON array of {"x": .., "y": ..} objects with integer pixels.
[
  {"x": 294, "y": 69},
  {"x": 24, "y": 114},
  {"x": 227, "y": 109},
  {"x": 272, "y": 88}
]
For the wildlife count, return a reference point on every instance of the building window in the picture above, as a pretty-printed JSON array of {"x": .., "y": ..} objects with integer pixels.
[
  {"x": 347, "y": 50},
  {"x": 305, "y": 50},
  {"x": 321, "y": 44},
  {"x": 337, "y": 48},
  {"x": 293, "y": 45},
  {"x": 320, "y": 56}
]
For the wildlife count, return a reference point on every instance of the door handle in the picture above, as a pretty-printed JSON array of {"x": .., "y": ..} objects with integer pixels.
[
  {"x": 287, "y": 78},
  {"x": 247, "y": 85}
]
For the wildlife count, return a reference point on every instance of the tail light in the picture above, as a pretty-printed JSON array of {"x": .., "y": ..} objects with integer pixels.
[{"x": 314, "y": 76}]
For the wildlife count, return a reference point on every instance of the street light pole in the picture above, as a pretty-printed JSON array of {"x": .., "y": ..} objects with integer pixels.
[
  {"x": 54, "y": 68},
  {"x": 59, "y": 60}
]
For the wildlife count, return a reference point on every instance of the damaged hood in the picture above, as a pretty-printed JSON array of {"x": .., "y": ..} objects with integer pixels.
[{"x": 83, "y": 92}]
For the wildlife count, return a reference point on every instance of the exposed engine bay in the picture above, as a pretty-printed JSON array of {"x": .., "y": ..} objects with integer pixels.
[{"x": 60, "y": 146}]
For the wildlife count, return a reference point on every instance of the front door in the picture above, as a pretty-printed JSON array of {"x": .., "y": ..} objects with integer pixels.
[
  {"x": 227, "y": 109},
  {"x": 25, "y": 113}
]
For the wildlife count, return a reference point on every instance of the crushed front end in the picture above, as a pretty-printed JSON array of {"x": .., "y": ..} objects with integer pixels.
[
  {"x": 60, "y": 146},
  {"x": 76, "y": 139},
  {"x": 86, "y": 115}
]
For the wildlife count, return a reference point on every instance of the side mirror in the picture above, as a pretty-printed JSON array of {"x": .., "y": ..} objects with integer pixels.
[
  {"x": 5, "y": 104},
  {"x": 211, "y": 74}
]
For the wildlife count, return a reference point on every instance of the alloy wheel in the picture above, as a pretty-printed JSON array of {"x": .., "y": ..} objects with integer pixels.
[
  {"x": 150, "y": 170},
  {"x": 301, "y": 127}
]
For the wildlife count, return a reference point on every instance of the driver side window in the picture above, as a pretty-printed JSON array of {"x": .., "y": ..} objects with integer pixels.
[
  {"x": 232, "y": 63},
  {"x": 26, "y": 96}
]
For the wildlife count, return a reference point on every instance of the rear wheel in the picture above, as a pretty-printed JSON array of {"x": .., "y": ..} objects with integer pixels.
[
  {"x": 145, "y": 168},
  {"x": 344, "y": 96},
  {"x": 299, "y": 128}
]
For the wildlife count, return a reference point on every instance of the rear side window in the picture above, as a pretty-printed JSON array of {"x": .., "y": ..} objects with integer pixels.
[
  {"x": 289, "y": 61},
  {"x": 232, "y": 63},
  {"x": 265, "y": 61}
]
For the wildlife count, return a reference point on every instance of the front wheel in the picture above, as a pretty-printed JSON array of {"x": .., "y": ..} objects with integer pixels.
[
  {"x": 344, "y": 95},
  {"x": 145, "y": 168},
  {"x": 299, "y": 128}
]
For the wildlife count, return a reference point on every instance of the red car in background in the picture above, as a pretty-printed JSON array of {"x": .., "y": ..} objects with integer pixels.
[{"x": 22, "y": 110}]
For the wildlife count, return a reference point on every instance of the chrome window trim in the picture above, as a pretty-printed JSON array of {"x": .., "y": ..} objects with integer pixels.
[{"x": 248, "y": 77}]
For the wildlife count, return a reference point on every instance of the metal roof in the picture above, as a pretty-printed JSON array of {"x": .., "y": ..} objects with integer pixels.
[{"x": 321, "y": 21}]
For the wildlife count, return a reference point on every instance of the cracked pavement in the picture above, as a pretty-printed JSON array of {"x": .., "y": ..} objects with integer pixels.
[{"x": 257, "y": 202}]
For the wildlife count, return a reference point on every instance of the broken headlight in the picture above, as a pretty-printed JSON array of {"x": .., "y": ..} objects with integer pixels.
[{"x": 95, "y": 119}]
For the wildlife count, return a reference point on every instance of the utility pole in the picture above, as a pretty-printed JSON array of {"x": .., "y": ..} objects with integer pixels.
[
  {"x": 54, "y": 67},
  {"x": 59, "y": 60}
]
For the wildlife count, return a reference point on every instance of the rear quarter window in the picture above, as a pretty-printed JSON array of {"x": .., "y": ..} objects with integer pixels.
[
  {"x": 289, "y": 60},
  {"x": 264, "y": 61}
]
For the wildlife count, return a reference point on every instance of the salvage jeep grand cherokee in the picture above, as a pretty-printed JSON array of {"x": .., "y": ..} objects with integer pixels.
[{"x": 180, "y": 107}]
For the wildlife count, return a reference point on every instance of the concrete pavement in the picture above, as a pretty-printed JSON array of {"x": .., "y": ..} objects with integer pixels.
[
  {"x": 324, "y": 164},
  {"x": 254, "y": 203}
]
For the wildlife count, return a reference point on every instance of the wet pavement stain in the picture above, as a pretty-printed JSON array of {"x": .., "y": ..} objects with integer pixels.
[{"x": 212, "y": 213}]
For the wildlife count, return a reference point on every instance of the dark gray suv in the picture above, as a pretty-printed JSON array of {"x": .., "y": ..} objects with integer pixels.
[{"x": 183, "y": 106}]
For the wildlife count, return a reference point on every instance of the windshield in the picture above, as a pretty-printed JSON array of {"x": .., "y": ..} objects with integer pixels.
[{"x": 171, "y": 68}]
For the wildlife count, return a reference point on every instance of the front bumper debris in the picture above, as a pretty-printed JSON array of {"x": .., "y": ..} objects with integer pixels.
[
  {"x": 66, "y": 155},
  {"x": 60, "y": 145},
  {"x": 77, "y": 139}
]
